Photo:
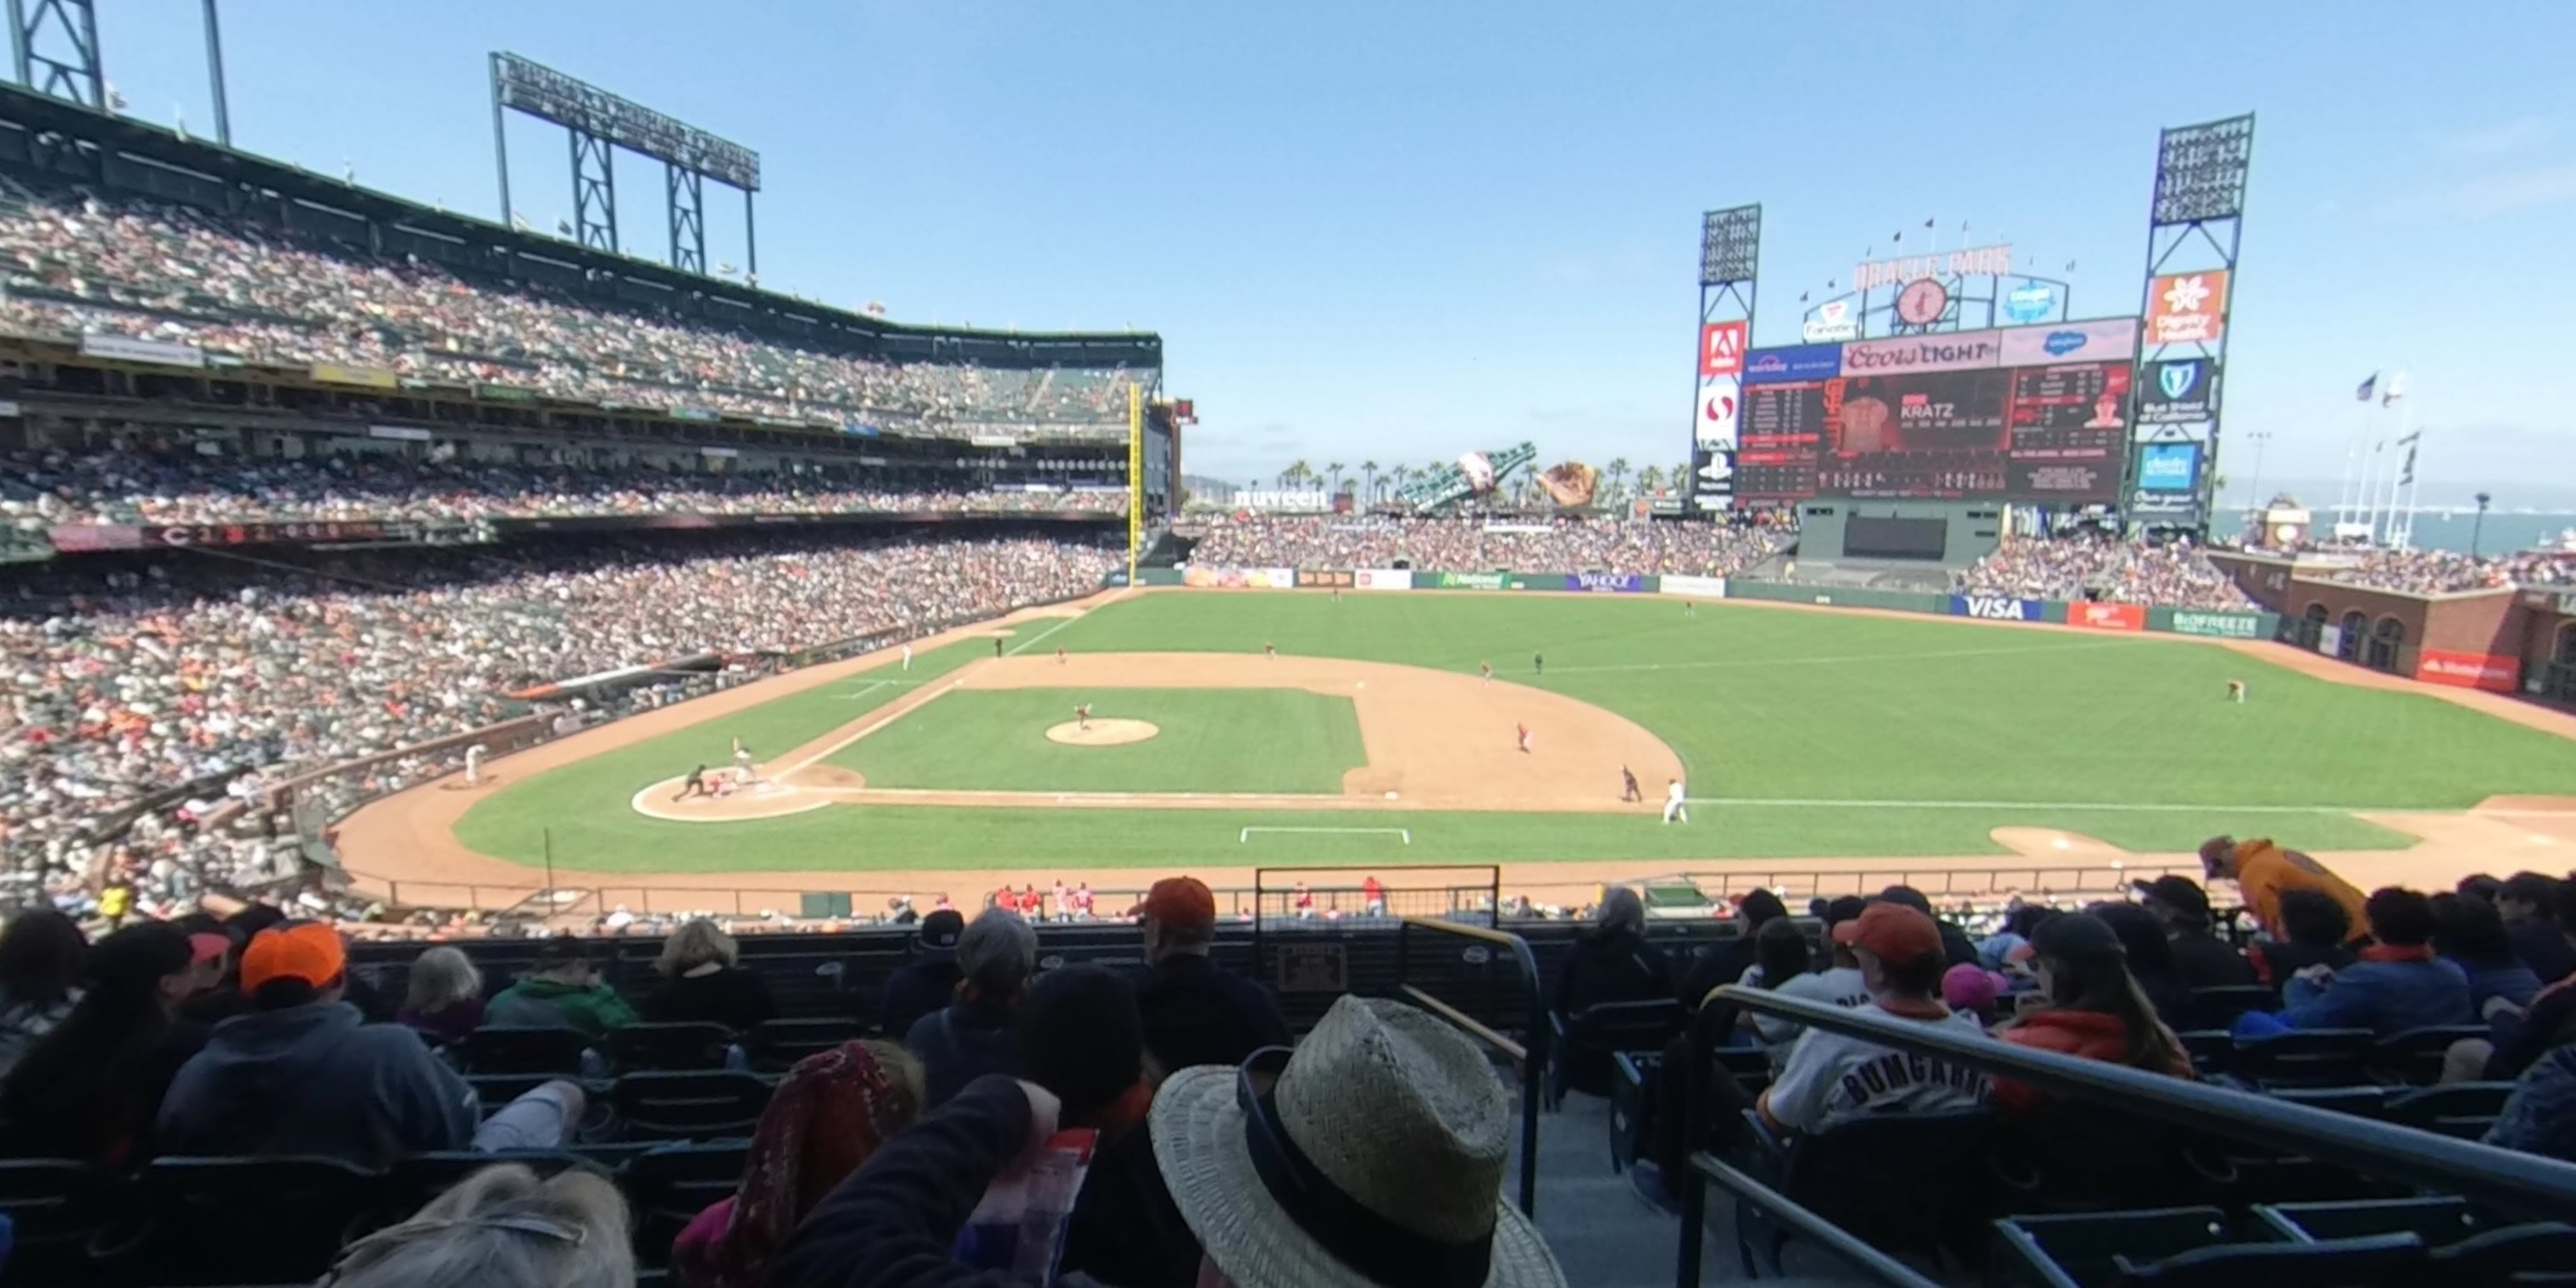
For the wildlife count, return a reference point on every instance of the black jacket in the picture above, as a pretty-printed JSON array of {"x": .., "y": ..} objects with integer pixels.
[
  {"x": 957, "y": 1044},
  {"x": 1612, "y": 966},
  {"x": 1126, "y": 1231},
  {"x": 2206, "y": 961},
  {"x": 1197, "y": 1013},
  {"x": 733, "y": 997},
  {"x": 892, "y": 1223},
  {"x": 315, "y": 1080},
  {"x": 2543, "y": 946}
]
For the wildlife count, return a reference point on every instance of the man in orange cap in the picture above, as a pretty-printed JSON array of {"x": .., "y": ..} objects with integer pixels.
[
  {"x": 2262, "y": 870},
  {"x": 1831, "y": 1079},
  {"x": 304, "y": 1074},
  {"x": 1195, "y": 1012}
]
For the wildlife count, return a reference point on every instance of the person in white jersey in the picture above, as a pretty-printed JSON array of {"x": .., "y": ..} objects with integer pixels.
[
  {"x": 1673, "y": 806},
  {"x": 1832, "y": 1079}
]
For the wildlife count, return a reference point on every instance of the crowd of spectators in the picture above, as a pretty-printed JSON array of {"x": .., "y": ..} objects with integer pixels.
[
  {"x": 83, "y": 264},
  {"x": 158, "y": 484},
  {"x": 2172, "y": 575},
  {"x": 1468, "y": 544},
  {"x": 2113, "y": 981},
  {"x": 2442, "y": 572},
  {"x": 254, "y": 1038},
  {"x": 185, "y": 671}
]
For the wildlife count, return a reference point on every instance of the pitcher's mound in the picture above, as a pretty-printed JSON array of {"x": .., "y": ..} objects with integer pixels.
[{"x": 1103, "y": 732}]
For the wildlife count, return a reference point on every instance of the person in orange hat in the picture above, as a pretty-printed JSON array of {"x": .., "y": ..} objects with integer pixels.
[
  {"x": 1195, "y": 1012},
  {"x": 304, "y": 1074},
  {"x": 1832, "y": 1079},
  {"x": 2262, "y": 870}
]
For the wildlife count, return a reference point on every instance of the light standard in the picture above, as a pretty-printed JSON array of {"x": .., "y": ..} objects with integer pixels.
[
  {"x": 2258, "y": 438},
  {"x": 2478, "y": 528}
]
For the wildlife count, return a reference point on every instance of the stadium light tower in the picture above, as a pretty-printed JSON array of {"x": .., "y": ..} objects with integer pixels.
[
  {"x": 2478, "y": 528},
  {"x": 59, "y": 40},
  {"x": 598, "y": 124}
]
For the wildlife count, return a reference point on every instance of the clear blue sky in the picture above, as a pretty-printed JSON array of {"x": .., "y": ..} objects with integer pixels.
[{"x": 1408, "y": 230}]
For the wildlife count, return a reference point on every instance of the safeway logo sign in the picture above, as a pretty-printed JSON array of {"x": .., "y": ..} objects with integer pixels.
[
  {"x": 1721, "y": 348},
  {"x": 2187, "y": 308}
]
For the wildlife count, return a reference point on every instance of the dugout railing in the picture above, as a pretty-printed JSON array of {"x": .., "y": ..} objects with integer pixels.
[{"x": 2529, "y": 1186}]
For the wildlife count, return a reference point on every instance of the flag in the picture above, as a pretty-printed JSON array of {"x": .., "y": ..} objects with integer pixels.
[
  {"x": 2367, "y": 388},
  {"x": 1928, "y": 223},
  {"x": 2070, "y": 266},
  {"x": 1898, "y": 235},
  {"x": 2396, "y": 389},
  {"x": 2406, "y": 472},
  {"x": 1802, "y": 297}
]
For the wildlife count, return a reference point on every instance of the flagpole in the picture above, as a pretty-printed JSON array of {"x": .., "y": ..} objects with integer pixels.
[
  {"x": 2401, "y": 524},
  {"x": 2344, "y": 490},
  {"x": 2369, "y": 498},
  {"x": 2414, "y": 494}
]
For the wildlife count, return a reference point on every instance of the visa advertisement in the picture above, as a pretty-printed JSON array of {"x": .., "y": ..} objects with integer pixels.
[{"x": 1995, "y": 608}]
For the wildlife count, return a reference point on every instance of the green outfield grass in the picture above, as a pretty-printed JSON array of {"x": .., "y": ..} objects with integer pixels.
[
  {"x": 1212, "y": 740},
  {"x": 1806, "y": 733}
]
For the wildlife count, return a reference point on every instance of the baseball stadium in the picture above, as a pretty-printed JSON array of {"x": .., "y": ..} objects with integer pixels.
[{"x": 819, "y": 798}]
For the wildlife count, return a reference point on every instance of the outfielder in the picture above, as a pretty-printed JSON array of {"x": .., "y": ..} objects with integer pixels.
[
  {"x": 2236, "y": 690},
  {"x": 1673, "y": 806}
]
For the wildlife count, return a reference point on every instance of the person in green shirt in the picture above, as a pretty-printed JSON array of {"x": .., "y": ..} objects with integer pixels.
[{"x": 565, "y": 992}]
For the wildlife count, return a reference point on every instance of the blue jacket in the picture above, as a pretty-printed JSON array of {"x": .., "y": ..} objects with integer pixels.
[
  {"x": 2385, "y": 997},
  {"x": 2510, "y": 980}
]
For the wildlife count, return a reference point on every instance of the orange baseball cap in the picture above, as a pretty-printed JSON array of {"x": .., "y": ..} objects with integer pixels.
[
  {"x": 311, "y": 953},
  {"x": 1180, "y": 901},
  {"x": 1893, "y": 931}
]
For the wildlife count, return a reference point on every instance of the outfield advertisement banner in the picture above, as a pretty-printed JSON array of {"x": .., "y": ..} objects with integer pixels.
[
  {"x": 2494, "y": 672},
  {"x": 1996, "y": 608},
  {"x": 1462, "y": 581},
  {"x": 1383, "y": 579},
  {"x": 2225, "y": 626},
  {"x": 1539, "y": 581},
  {"x": 1612, "y": 582},
  {"x": 1241, "y": 578},
  {"x": 2107, "y": 617},
  {"x": 1329, "y": 578},
  {"x": 1703, "y": 587}
]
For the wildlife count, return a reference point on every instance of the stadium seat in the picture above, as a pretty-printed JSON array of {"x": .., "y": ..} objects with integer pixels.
[
  {"x": 643, "y": 1047},
  {"x": 237, "y": 1220},
  {"x": 2414, "y": 1057},
  {"x": 1581, "y": 1047},
  {"x": 1902, "y": 1183},
  {"x": 688, "y": 1106},
  {"x": 2217, "y": 1008},
  {"x": 2369, "y": 1100},
  {"x": 2379, "y": 1259},
  {"x": 54, "y": 1207},
  {"x": 2212, "y": 1051},
  {"x": 2305, "y": 1058},
  {"x": 2079, "y": 1156},
  {"x": 776, "y": 1046},
  {"x": 1631, "y": 1074},
  {"x": 668, "y": 1185},
  {"x": 2535, "y": 1253},
  {"x": 2438, "y": 1220},
  {"x": 2462, "y": 1109},
  {"x": 2081, "y": 1251},
  {"x": 509, "y": 1049}
]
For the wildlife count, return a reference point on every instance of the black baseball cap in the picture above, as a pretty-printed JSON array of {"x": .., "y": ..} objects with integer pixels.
[
  {"x": 2076, "y": 936},
  {"x": 941, "y": 928},
  {"x": 2180, "y": 893}
]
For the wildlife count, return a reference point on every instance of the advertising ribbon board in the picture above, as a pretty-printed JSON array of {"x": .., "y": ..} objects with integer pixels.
[
  {"x": 1996, "y": 608},
  {"x": 1465, "y": 581},
  {"x": 2225, "y": 626},
  {"x": 1383, "y": 579},
  {"x": 504, "y": 393},
  {"x": 332, "y": 373},
  {"x": 1609, "y": 582},
  {"x": 2494, "y": 672},
  {"x": 2037, "y": 346},
  {"x": 1335, "y": 579},
  {"x": 1701, "y": 587},
  {"x": 126, "y": 348},
  {"x": 2107, "y": 617}
]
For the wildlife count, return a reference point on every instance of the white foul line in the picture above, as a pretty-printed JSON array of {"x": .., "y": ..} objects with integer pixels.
[
  {"x": 1810, "y": 802},
  {"x": 1404, "y": 832}
]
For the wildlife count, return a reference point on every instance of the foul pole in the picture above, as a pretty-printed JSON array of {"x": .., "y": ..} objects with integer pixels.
[{"x": 1135, "y": 476}]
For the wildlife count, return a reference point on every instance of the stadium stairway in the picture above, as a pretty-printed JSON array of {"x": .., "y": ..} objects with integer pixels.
[{"x": 1605, "y": 1236}]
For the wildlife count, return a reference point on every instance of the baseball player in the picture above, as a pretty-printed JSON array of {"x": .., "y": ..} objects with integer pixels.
[
  {"x": 741, "y": 760},
  {"x": 1524, "y": 737},
  {"x": 1059, "y": 655},
  {"x": 907, "y": 657},
  {"x": 2236, "y": 690},
  {"x": 1486, "y": 670},
  {"x": 694, "y": 785},
  {"x": 997, "y": 646},
  {"x": 1082, "y": 716},
  {"x": 474, "y": 763},
  {"x": 1538, "y": 663},
  {"x": 1628, "y": 790},
  {"x": 1673, "y": 806},
  {"x": 1269, "y": 651}
]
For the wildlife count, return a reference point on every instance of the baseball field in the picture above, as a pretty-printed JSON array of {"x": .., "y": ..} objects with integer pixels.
[{"x": 1372, "y": 737}]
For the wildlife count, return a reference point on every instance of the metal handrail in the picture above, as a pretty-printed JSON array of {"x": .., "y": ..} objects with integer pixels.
[
  {"x": 2508, "y": 1177},
  {"x": 1833, "y": 1238},
  {"x": 1532, "y": 1056}
]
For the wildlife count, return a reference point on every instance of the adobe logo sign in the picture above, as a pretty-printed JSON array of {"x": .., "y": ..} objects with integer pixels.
[{"x": 1721, "y": 348}]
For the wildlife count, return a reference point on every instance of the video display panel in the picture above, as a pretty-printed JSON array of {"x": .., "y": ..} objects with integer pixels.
[{"x": 2052, "y": 432}]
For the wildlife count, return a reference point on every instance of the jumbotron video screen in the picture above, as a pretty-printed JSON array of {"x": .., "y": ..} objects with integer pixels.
[{"x": 2032, "y": 414}]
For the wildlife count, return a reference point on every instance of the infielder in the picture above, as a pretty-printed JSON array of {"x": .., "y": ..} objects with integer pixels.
[
  {"x": 1628, "y": 789},
  {"x": 1673, "y": 806},
  {"x": 1524, "y": 737},
  {"x": 1486, "y": 670},
  {"x": 2236, "y": 690},
  {"x": 1269, "y": 651}
]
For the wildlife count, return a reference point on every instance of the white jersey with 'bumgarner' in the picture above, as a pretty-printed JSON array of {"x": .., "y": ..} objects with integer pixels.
[{"x": 1831, "y": 1079}]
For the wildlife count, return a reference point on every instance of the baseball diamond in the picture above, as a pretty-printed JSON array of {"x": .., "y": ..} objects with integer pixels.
[{"x": 1799, "y": 733}]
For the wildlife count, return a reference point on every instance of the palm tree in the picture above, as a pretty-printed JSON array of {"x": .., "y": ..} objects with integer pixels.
[
  {"x": 1650, "y": 478},
  {"x": 1618, "y": 471},
  {"x": 1368, "y": 481},
  {"x": 1333, "y": 472},
  {"x": 1397, "y": 476},
  {"x": 1299, "y": 472}
]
